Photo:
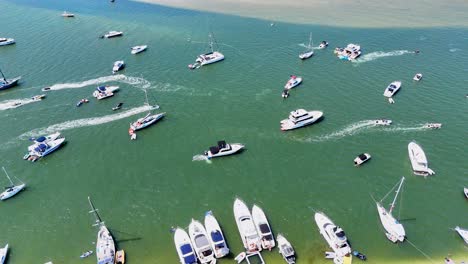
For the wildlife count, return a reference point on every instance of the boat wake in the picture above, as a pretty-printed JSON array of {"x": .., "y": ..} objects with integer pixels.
[
  {"x": 201, "y": 158},
  {"x": 84, "y": 122},
  {"x": 380, "y": 54},
  {"x": 134, "y": 81},
  {"x": 305, "y": 46},
  {"x": 10, "y": 104}
]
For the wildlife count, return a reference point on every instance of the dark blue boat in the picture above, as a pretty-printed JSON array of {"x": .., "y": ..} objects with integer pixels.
[{"x": 8, "y": 83}]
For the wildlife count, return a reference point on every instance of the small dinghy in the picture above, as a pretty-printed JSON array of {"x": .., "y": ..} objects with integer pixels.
[
  {"x": 361, "y": 158},
  {"x": 359, "y": 255},
  {"x": 418, "y": 77},
  {"x": 138, "y": 49},
  {"x": 86, "y": 254},
  {"x": 120, "y": 257},
  {"x": 82, "y": 101},
  {"x": 117, "y": 107},
  {"x": 45, "y": 89},
  {"x": 239, "y": 258},
  {"x": 285, "y": 93},
  {"x": 383, "y": 122},
  {"x": 323, "y": 44},
  {"x": 433, "y": 125}
]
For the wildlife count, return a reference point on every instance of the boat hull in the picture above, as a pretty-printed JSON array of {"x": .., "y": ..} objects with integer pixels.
[
  {"x": 395, "y": 230},
  {"x": 154, "y": 118},
  {"x": 285, "y": 249},
  {"x": 263, "y": 228},
  {"x": 235, "y": 147},
  {"x": 246, "y": 227},
  {"x": 9, "y": 83},
  {"x": 3, "y": 254},
  {"x": 200, "y": 242},
  {"x": 418, "y": 160},
  {"x": 12, "y": 192},
  {"x": 286, "y": 124},
  {"x": 322, "y": 222},
  {"x": 463, "y": 233},
  {"x": 392, "y": 89},
  {"x": 184, "y": 247},
  {"x": 215, "y": 236},
  {"x": 105, "y": 246}
]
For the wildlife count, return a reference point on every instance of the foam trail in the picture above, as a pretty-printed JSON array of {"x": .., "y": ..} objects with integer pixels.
[
  {"x": 201, "y": 158},
  {"x": 347, "y": 131},
  {"x": 305, "y": 46},
  {"x": 380, "y": 54},
  {"x": 10, "y": 104},
  {"x": 135, "y": 81},
  {"x": 94, "y": 121}
]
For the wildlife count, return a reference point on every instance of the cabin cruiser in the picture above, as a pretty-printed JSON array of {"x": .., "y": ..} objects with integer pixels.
[
  {"x": 3, "y": 254},
  {"x": 285, "y": 249},
  {"x": 392, "y": 89},
  {"x": 6, "y": 41},
  {"x": 103, "y": 92},
  {"x": 418, "y": 77},
  {"x": 323, "y": 44},
  {"x": 418, "y": 160},
  {"x": 361, "y": 158},
  {"x": 8, "y": 83},
  {"x": 209, "y": 57},
  {"x": 333, "y": 234},
  {"x": 146, "y": 121},
  {"x": 138, "y": 49},
  {"x": 66, "y": 14},
  {"x": 463, "y": 233},
  {"x": 118, "y": 65},
  {"x": 43, "y": 139},
  {"x": 43, "y": 149},
  {"x": 201, "y": 245},
  {"x": 293, "y": 82},
  {"x": 184, "y": 247},
  {"x": 246, "y": 226},
  {"x": 299, "y": 118},
  {"x": 433, "y": 125},
  {"x": 112, "y": 34},
  {"x": 215, "y": 236},
  {"x": 383, "y": 122},
  {"x": 223, "y": 149},
  {"x": 263, "y": 228},
  {"x": 351, "y": 52}
]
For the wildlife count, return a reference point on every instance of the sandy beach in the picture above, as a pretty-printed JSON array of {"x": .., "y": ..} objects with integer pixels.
[{"x": 365, "y": 14}]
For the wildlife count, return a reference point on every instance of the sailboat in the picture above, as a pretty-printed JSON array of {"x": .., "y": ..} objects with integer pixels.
[
  {"x": 8, "y": 83},
  {"x": 210, "y": 57},
  {"x": 11, "y": 190},
  {"x": 147, "y": 120},
  {"x": 309, "y": 52},
  {"x": 395, "y": 231},
  {"x": 105, "y": 247}
]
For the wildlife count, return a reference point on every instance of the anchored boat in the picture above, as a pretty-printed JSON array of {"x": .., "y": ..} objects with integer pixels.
[
  {"x": 285, "y": 249},
  {"x": 184, "y": 247},
  {"x": 11, "y": 190},
  {"x": 215, "y": 236},
  {"x": 246, "y": 226},
  {"x": 105, "y": 246},
  {"x": 8, "y": 83},
  {"x": 418, "y": 160},
  {"x": 395, "y": 231}
]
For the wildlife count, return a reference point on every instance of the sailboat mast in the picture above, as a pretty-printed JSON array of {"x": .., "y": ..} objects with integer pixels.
[
  {"x": 8, "y": 176},
  {"x": 94, "y": 210},
  {"x": 392, "y": 205},
  {"x": 3, "y": 75},
  {"x": 310, "y": 40},
  {"x": 211, "y": 42}
]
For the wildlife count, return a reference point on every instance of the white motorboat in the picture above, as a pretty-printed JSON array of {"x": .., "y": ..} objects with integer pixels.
[
  {"x": 11, "y": 190},
  {"x": 210, "y": 57},
  {"x": 103, "y": 92},
  {"x": 215, "y": 236},
  {"x": 418, "y": 160},
  {"x": 223, "y": 149},
  {"x": 146, "y": 121},
  {"x": 86, "y": 254},
  {"x": 361, "y": 158},
  {"x": 300, "y": 118},
  {"x": 43, "y": 139},
  {"x": 285, "y": 249},
  {"x": 105, "y": 246},
  {"x": 263, "y": 228},
  {"x": 6, "y": 41},
  {"x": 351, "y": 52},
  {"x": 395, "y": 231},
  {"x": 418, "y": 77},
  {"x": 433, "y": 125},
  {"x": 285, "y": 93},
  {"x": 3, "y": 254},
  {"x": 184, "y": 247},
  {"x": 38, "y": 97},
  {"x": 309, "y": 50},
  {"x": 463, "y": 233},
  {"x": 138, "y": 49},
  {"x": 465, "y": 191},
  {"x": 43, "y": 149},
  {"x": 323, "y": 44},
  {"x": 383, "y": 122},
  {"x": 118, "y": 65},
  {"x": 199, "y": 239},
  {"x": 334, "y": 235},
  {"x": 66, "y": 14},
  {"x": 246, "y": 226},
  {"x": 293, "y": 82},
  {"x": 112, "y": 34},
  {"x": 392, "y": 89}
]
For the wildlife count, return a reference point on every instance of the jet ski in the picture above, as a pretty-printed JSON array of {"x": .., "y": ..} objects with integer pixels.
[{"x": 117, "y": 107}]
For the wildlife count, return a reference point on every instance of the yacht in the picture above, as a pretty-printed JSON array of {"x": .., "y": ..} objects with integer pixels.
[
  {"x": 6, "y": 41},
  {"x": 383, "y": 122},
  {"x": 309, "y": 51},
  {"x": 433, "y": 125},
  {"x": 105, "y": 246},
  {"x": 285, "y": 249},
  {"x": 138, "y": 49},
  {"x": 3, "y": 254},
  {"x": 418, "y": 77},
  {"x": 246, "y": 226},
  {"x": 103, "y": 92},
  {"x": 43, "y": 149},
  {"x": 210, "y": 57},
  {"x": 11, "y": 190},
  {"x": 118, "y": 65},
  {"x": 66, "y": 14},
  {"x": 146, "y": 121},
  {"x": 8, "y": 83},
  {"x": 394, "y": 230},
  {"x": 263, "y": 228},
  {"x": 361, "y": 158},
  {"x": 215, "y": 236},
  {"x": 293, "y": 82},
  {"x": 223, "y": 149},
  {"x": 334, "y": 235},
  {"x": 351, "y": 52},
  {"x": 184, "y": 247},
  {"x": 112, "y": 34},
  {"x": 299, "y": 118},
  {"x": 392, "y": 89},
  {"x": 418, "y": 160},
  {"x": 463, "y": 233},
  {"x": 201, "y": 245},
  {"x": 323, "y": 44}
]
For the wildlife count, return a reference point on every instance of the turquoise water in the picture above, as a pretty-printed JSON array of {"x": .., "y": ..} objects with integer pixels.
[{"x": 144, "y": 187}]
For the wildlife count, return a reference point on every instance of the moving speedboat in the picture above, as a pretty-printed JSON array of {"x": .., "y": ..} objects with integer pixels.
[
  {"x": 263, "y": 228},
  {"x": 117, "y": 107},
  {"x": 11, "y": 190},
  {"x": 138, "y": 49},
  {"x": 418, "y": 77},
  {"x": 3, "y": 254},
  {"x": 293, "y": 82},
  {"x": 201, "y": 245},
  {"x": 6, "y": 41},
  {"x": 285, "y": 249},
  {"x": 8, "y": 83},
  {"x": 112, "y": 34},
  {"x": 351, "y": 52},
  {"x": 118, "y": 65},
  {"x": 300, "y": 118},
  {"x": 38, "y": 97},
  {"x": 86, "y": 254},
  {"x": 383, "y": 122},
  {"x": 184, "y": 247},
  {"x": 105, "y": 245},
  {"x": 209, "y": 57},
  {"x": 333, "y": 234},
  {"x": 146, "y": 121},
  {"x": 82, "y": 101},
  {"x": 66, "y": 14},
  {"x": 433, "y": 125},
  {"x": 43, "y": 149},
  {"x": 45, "y": 89},
  {"x": 323, "y": 44},
  {"x": 246, "y": 226},
  {"x": 223, "y": 149},
  {"x": 103, "y": 92},
  {"x": 392, "y": 89},
  {"x": 463, "y": 233},
  {"x": 285, "y": 93},
  {"x": 395, "y": 231},
  {"x": 361, "y": 158},
  {"x": 215, "y": 236},
  {"x": 418, "y": 160}
]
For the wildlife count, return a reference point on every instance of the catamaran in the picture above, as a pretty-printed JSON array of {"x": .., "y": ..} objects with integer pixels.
[
  {"x": 309, "y": 50},
  {"x": 103, "y": 92},
  {"x": 11, "y": 190},
  {"x": 395, "y": 231},
  {"x": 210, "y": 57},
  {"x": 105, "y": 247},
  {"x": 43, "y": 149},
  {"x": 8, "y": 83},
  {"x": 215, "y": 236}
]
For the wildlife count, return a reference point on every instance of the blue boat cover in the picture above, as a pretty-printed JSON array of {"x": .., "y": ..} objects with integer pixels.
[
  {"x": 186, "y": 248},
  {"x": 41, "y": 148},
  {"x": 190, "y": 259},
  {"x": 101, "y": 88},
  {"x": 216, "y": 236},
  {"x": 41, "y": 139}
]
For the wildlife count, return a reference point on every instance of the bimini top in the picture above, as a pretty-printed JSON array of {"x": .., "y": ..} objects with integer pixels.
[
  {"x": 214, "y": 150},
  {"x": 216, "y": 236},
  {"x": 101, "y": 88},
  {"x": 221, "y": 144},
  {"x": 41, "y": 148},
  {"x": 41, "y": 139}
]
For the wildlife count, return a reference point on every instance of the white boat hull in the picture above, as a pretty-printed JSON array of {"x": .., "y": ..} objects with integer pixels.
[
  {"x": 392, "y": 89},
  {"x": 105, "y": 247},
  {"x": 418, "y": 160},
  {"x": 306, "y": 55},
  {"x": 146, "y": 121},
  {"x": 8, "y": 41},
  {"x": 465, "y": 191},
  {"x": 285, "y": 249},
  {"x": 395, "y": 230},
  {"x": 210, "y": 58},
  {"x": 287, "y": 124},
  {"x": 293, "y": 83},
  {"x": 323, "y": 222},
  {"x": 235, "y": 147},
  {"x": 200, "y": 242},
  {"x": 246, "y": 226},
  {"x": 263, "y": 228},
  {"x": 138, "y": 49},
  {"x": 184, "y": 247},
  {"x": 216, "y": 236},
  {"x": 10, "y": 192},
  {"x": 3, "y": 254}
]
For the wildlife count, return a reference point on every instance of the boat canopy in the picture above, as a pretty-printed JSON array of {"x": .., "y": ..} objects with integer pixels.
[
  {"x": 190, "y": 259},
  {"x": 216, "y": 236},
  {"x": 264, "y": 229},
  {"x": 41, "y": 148},
  {"x": 101, "y": 88},
  {"x": 221, "y": 144},
  {"x": 362, "y": 156},
  {"x": 41, "y": 139},
  {"x": 201, "y": 241},
  {"x": 186, "y": 248},
  {"x": 214, "y": 150}
]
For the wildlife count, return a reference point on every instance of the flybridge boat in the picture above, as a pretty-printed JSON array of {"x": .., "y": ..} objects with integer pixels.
[
  {"x": 463, "y": 233},
  {"x": 246, "y": 226},
  {"x": 418, "y": 160},
  {"x": 112, "y": 34},
  {"x": 223, "y": 149},
  {"x": 383, "y": 122},
  {"x": 263, "y": 228},
  {"x": 418, "y": 77},
  {"x": 199, "y": 239},
  {"x": 300, "y": 118},
  {"x": 361, "y": 158},
  {"x": 38, "y": 97},
  {"x": 293, "y": 82},
  {"x": 11, "y": 190},
  {"x": 309, "y": 51},
  {"x": 6, "y": 41},
  {"x": 103, "y": 92},
  {"x": 105, "y": 246},
  {"x": 138, "y": 49},
  {"x": 8, "y": 83},
  {"x": 3, "y": 254},
  {"x": 43, "y": 149},
  {"x": 215, "y": 236},
  {"x": 209, "y": 57},
  {"x": 285, "y": 249},
  {"x": 395, "y": 231},
  {"x": 392, "y": 89},
  {"x": 351, "y": 52},
  {"x": 184, "y": 247},
  {"x": 118, "y": 65},
  {"x": 334, "y": 235}
]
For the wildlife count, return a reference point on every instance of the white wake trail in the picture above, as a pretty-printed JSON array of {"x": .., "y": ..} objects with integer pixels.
[
  {"x": 134, "y": 81},
  {"x": 347, "y": 131},
  {"x": 380, "y": 54},
  {"x": 15, "y": 103}
]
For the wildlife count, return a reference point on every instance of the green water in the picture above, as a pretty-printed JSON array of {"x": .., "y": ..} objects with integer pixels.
[{"x": 144, "y": 187}]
